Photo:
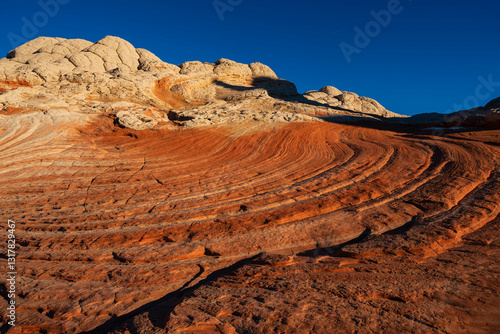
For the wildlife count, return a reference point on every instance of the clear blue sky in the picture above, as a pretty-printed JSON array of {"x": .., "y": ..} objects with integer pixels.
[{"x": 427, "y": 59}]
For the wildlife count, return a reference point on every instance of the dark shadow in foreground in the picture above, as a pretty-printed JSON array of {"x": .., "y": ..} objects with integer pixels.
[
  {"x": 160, "y": 309},
  {"x": 335, "y": 250}
]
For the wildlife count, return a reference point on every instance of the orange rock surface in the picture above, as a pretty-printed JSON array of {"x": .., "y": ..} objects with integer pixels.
[
  {"x": 214, "y": 198},
  {"x": 288, "y": 227},
  {"x": 11, "y": 84}
]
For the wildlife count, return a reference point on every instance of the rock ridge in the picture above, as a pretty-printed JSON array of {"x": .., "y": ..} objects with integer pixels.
[{"x": 112, "y": 70}]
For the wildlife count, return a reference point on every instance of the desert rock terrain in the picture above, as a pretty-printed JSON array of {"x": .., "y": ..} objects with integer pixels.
[{"x": 214, "y": 198}]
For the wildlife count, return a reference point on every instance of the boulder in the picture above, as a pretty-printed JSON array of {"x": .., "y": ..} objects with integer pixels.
[
  {"x": 150, "y": 62},
  {"x": 331, "y": 91},
  {"x": 196, "y": 68},
  {"x": 226, "y": 67},
  {"x": 260, "y": 70},
  {"x": 350, "y": 101},
  {"x": 32, "y": 46}
]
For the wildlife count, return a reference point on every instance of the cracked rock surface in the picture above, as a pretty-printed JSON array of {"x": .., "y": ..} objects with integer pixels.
[{"x": 213, "y": 198}]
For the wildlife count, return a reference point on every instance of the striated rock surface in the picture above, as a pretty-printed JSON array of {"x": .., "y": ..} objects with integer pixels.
[{"x": 213, "y": 198}]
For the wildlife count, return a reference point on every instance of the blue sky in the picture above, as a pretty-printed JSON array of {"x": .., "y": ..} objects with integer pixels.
[{"x": 433, "y": 56}]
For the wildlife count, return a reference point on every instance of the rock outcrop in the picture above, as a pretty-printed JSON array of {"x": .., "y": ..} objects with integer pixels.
[
  {"x": 483, "y": 117},
  {"x": 132, "y": 217},
  {"x": 333, "y": 97},
  {"x": 79, "y": 73}
]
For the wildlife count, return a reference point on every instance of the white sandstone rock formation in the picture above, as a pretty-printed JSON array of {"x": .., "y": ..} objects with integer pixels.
[{"x": 84, "y": 77}]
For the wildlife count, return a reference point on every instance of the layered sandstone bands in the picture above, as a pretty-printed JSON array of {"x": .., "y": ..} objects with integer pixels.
[
  {"x": 114, "y": 219},
  {"x": 271, "y": 221}
]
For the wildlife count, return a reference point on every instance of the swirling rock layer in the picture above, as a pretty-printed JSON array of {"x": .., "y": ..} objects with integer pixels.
[
  {"x": 254, "y": 227},
  {"x": 155, "y": 198}
]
